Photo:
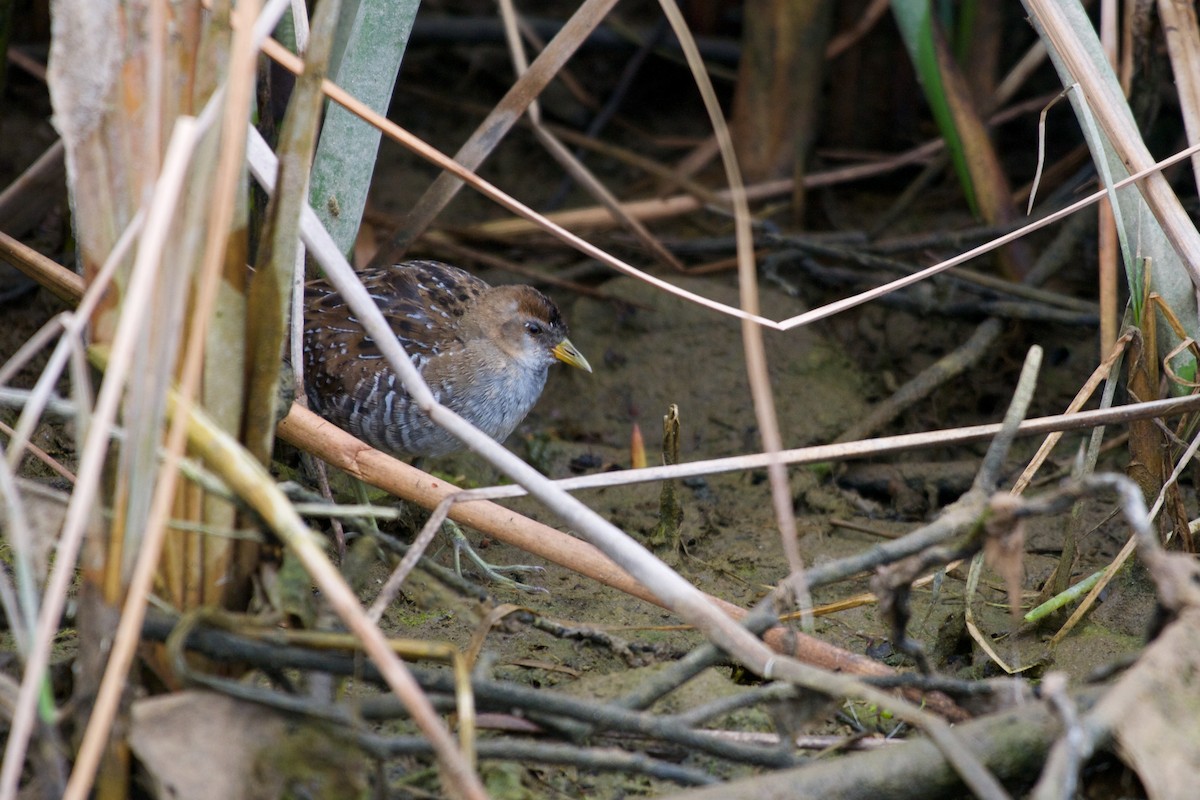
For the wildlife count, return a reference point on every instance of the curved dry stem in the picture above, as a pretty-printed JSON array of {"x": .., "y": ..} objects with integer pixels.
[
  {"x": 752, "y": 333},
  {"x": 1111, "y": 111}
]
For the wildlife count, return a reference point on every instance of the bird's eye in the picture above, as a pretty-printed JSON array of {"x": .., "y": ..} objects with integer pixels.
[{"x": 534, "y": 328}]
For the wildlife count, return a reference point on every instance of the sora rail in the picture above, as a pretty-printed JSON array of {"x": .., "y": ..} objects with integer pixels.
[{"x": 484, "y": 351}]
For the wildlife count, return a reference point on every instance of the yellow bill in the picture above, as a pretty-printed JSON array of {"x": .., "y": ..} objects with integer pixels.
[{"x": 565, "y": 352}]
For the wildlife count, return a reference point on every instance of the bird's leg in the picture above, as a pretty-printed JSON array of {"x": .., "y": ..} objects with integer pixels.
[
  {"x": 492, "y": 571},
  {"x": 459, "y": 539},
  {"x": 363, "y": 499}
]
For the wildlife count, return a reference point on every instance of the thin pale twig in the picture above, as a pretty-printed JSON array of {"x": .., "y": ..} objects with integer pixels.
[
  {"x": 867, "y": 448},
  {"x": 391, "y": 587},
  {"x": 1101, "y": 373},
  {"x": 845, "y": 304}
]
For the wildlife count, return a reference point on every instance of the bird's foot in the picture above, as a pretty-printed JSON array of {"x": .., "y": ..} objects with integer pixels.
[{"x": 493, "y": 572}]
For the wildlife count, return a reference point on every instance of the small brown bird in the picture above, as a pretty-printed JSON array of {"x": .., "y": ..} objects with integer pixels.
[{"x": 483, "y": 350}]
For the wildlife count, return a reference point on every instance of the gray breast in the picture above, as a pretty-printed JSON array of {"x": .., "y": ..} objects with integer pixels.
[{"x": 383, "y": 415}]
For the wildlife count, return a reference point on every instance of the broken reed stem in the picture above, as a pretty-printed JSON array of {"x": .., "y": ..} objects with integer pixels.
[{"x": 670, "y": 512}]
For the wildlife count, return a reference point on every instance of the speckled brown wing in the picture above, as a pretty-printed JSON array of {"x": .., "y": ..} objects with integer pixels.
[
  {"x": 346, "y": 379},
  {"x": 423, "y": 302}
]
